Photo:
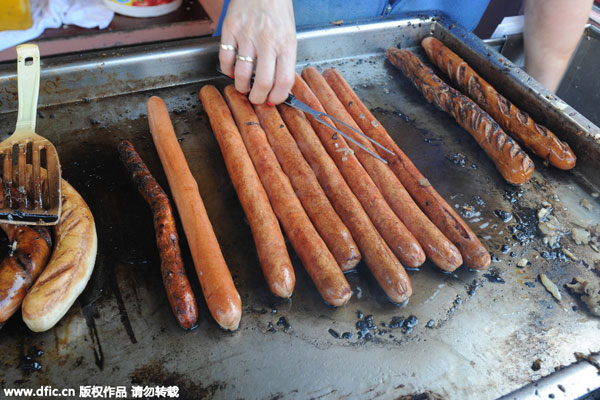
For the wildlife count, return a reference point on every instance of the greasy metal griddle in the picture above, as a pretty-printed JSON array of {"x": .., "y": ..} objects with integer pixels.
[{"x": 463, "y": 335}]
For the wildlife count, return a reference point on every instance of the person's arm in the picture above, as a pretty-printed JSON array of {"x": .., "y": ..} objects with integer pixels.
[
  {"x": 265, "y": 31},
  {"x": 551, "y": 33}
]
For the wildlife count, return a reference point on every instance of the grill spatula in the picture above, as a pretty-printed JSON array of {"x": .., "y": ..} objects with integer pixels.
[{"x": 29, "y": 163}]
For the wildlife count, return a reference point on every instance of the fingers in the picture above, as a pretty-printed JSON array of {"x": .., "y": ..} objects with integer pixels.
[
  {"x": 284, "y": 77},
  {"x": 264, "y": 76},
  {"x": 244, "y": 69},
  {"x": 227, "y": 57}
]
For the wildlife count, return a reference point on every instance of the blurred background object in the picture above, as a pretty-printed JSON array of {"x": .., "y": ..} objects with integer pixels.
[
  {"x": 15, "y": 15},
  {"x": 143, "y": 8}
]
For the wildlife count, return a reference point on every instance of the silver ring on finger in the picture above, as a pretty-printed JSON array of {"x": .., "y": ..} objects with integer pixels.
[
  {"x": 245, "y": 58},
  {"x": 228, "y": 47}
]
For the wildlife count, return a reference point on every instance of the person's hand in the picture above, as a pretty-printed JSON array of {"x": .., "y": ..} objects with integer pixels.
[
  {"x": 263, "y": 30},
  {"x": 551, "y": 32}
]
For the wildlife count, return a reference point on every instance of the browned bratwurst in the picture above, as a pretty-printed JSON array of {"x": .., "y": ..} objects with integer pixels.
[
  {"x": 510, "y": 160},
  {"x": 514, "y": 121},
  {"x": 437, "y": 247},
  {"x": 399, "y": 239},
  {"x": 310, "y": 247},
  {"x": 333, "y": 231},
  {"x": 29, "y": 253},
  {"x": 270, "y": 244},
  {"x": 179, "y": 292},
  {"x": 474, "y": 254},
  {"x": 382, "y": 263}
]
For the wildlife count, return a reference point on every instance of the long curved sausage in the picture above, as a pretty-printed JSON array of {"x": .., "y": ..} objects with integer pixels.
[
  {"x": 519, "y": 124},
  {"x": 270, "y": 244},
  {"x": 69, "y": 268},
  {"x": 222, "y": 298},
  {"x": 29, "y": 253},
  {"x": 510, "y": 160},
  {"x": 399, "y": 239},
  {"x": 329, "y": 225},
  {"x": 380, "y": 260},
  {"x": 474, "y": 254},
  {"x": 437, "y": 247},
  {"x": 179, "y": 292},
  {"x": 310, "y": 247}
]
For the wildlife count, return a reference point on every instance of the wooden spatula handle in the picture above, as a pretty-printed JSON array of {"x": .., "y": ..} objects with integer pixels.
[{"x": 28, "y": 72}]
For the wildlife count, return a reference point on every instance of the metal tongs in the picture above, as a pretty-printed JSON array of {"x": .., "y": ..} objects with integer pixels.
[{"x": 292, "y": 101}]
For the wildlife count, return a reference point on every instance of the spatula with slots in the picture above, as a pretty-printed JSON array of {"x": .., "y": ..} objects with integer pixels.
[{"x": 30, "y": 169}]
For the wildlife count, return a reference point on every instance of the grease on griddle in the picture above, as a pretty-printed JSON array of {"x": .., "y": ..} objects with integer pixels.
[
  {"x": 527, "y": 227},
  {"x": 407, "y": 324},
  {"x": 364, "y": 327},
  {"x": 505, "y": 216},
  {"x": 28, "y": 362},
  {"x": 479, "y": 201},
  {"x": 493, "y": 276},
  {"x": 472, "y": 287},
  {"x": 553, "y": 255},
  {"x": 459, "y": 159},
  {"x": 189, "y": 388},
  {"x": 283, "y": 322},
  {"x": 427, "y": 395}
]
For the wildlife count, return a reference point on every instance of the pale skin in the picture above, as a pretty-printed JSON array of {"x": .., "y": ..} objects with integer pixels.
[
  {"x": 551, "y": 33},
  {"x": 265, "y": 31}
]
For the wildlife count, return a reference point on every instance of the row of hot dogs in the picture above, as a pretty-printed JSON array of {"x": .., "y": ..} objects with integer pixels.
[{"x": 336, "y": 203}]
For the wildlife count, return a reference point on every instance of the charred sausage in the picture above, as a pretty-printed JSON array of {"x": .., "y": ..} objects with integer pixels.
[
  {"x": 510, "y": 160},
  {"x": 28, "y": 256},
  {"x": 517, "y": 123},
  {"x": 179, "y": 292}
]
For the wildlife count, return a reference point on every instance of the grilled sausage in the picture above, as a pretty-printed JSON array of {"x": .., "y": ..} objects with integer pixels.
[
  {"x": 401, "y": 241},
  {"x": 270, "y": 244},
  {"x": 512, "y": 162},
  {"x": 69, "y": 268},
  {"x": 329, "y": 225},
  {"x": 380, "y": 260},
  {"x": 222, "y": 298},
  {"x": 179, "y": 292},
  {"x": 437, "y": 247},
  {"x": 29, "y": 253},
  {"x": 474, "y": 254},
  {"x": 517, "y": 123},
  {"x": 310, "y": 247}
]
